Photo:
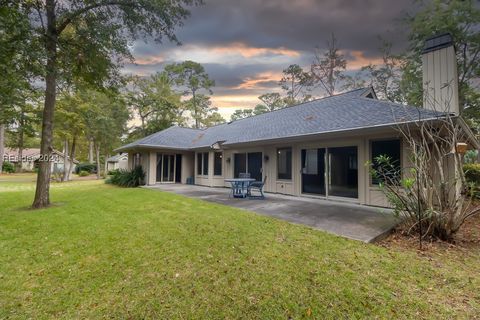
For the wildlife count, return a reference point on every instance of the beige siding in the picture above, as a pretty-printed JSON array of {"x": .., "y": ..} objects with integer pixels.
[
  {"x": 211, "y": 180},
  {"x": 440, "y": 80},
  {"x": 367, "y": 193},
  {"x": 187, "y": 166}
]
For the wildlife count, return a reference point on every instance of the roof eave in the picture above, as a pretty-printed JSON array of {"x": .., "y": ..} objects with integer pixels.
[
  {"x": 150, "y": 146},
  {"x": 381, "y": 126}
]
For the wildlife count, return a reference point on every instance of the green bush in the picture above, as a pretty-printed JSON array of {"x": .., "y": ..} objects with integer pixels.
[
  {"x": 83, "y": 173},
  {"x": 472, "y": 172},
  {"x": 89, "y": 167},
  {"x": 113, "y": 172},
  {"x": 8, "y": 167},
  {"x": 127, "y": 178},
  {"x": 472, "y": 175}
]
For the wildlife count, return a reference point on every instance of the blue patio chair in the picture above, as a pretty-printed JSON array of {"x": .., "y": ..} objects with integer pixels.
[
  {"x": 244, "y": 175},
  {"x": 257, "y": 186}
]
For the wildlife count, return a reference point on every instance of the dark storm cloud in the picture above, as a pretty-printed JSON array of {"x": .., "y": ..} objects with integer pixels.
[
  {"x": 244, "y": 45},
  {"x": 299, "y": 25}
]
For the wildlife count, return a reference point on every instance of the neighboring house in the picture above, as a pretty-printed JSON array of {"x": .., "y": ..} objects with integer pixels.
[
  {"x": 119, "y": 161},
  {"x": 318, "y": 148},
  {"x": 31, "y": 157}
]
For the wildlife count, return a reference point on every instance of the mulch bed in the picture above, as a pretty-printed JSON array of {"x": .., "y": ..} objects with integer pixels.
[{"x": 467, "y": 239}]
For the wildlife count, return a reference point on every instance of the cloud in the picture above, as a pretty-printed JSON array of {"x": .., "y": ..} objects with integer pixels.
[
  {"x": 356, "y": 60},
  {"x": 263, "y": 80},
  {"x": 250, "y": 52},
  {"x": 245, "y": 45}
]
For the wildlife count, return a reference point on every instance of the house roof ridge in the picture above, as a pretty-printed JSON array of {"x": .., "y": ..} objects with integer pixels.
[{"x": 300, "y": 104}]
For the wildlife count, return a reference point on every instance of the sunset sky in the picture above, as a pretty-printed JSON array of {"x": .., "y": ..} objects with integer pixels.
[{"x": 244, "y": 45}]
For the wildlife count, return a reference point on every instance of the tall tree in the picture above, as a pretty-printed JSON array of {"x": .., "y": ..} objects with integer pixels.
[
  {"x": 329, "y": 66},
  {"x": 385, "y": 78},
  {"x": 192, "y": 77},
  {"x": 155, "y": 103},
  {"x": 205, "y": 115},
  {"x": 87, "y": 40},
  {"x": 17, "y": 52},
  {"x": 104, "y": 115},
  {"x": 297, "y": 83},
  {"x": 24, "y": 125},
  {"x": 241, "y": 114},
  {"x": 70, "y": 128},
  {"x": 271, "y": 101}
]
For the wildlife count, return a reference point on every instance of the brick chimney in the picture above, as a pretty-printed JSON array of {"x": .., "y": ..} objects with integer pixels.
[{"x": 440, "y": 77}]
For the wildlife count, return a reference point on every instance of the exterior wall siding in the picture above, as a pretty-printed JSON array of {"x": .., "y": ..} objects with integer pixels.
[{"x": 368, "y": 194}]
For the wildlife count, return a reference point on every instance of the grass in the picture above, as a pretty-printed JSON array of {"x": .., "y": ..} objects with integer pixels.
[{"x": 107, "y": 252}]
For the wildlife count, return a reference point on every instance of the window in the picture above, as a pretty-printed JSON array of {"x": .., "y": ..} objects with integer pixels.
[
  {"x": 205, "y": 163},
  {"x": 202, "y": 164},
  {"x": 284, "y": 163},
  {"x": 390, "y": 149},
  {"x": 137, "y": 160},
  {"x": 199, "y": 163},
  {"x": 217, "y": 164}
]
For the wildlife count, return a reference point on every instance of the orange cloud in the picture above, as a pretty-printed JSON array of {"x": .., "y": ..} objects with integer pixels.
[
  {"x": 249, "y": 52},
  {"x": 256, "y": 81},
  {"x": 149, "y": 60},
  {"x": 359, "y": 60}
]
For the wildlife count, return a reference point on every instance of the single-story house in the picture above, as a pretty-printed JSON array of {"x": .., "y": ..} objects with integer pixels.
[
  {"x": 119, "y": 161},
  {"x": 31, "y": 157},
  {"x": 318, "y": 148}
]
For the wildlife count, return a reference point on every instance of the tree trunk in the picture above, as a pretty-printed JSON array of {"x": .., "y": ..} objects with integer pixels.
[
  {"x": 105, "y": 165},
  {"x": 42, "y": 192},
  {"x": 66, "y": 162},
  {"x": 72, "y": 156},
  {"x": 20, "y": 143},
  {"x": 97, "y": 155},
  {"x": 195, "y": 111},
  {"x": 2, "y": 145},
  {"x": 90, "y": 150}
]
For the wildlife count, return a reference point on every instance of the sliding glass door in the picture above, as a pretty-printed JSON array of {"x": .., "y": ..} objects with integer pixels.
[
  {"x": 330, "y": 172},
  {"x": 248, "y": 163},
  {"x": 167, "y": 169},
  {"x": 313, "y": 171},
  {"x": 343, "y": 172}
]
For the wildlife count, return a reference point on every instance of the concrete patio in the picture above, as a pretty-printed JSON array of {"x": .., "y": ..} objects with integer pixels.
[{"x": 352, "y": 221}]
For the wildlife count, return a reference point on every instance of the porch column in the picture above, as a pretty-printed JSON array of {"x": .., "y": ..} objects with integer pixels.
[{"x": 152, "y": 168}]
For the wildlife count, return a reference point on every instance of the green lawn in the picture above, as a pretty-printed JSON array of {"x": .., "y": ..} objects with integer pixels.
[{"x": 107, "y": 252}]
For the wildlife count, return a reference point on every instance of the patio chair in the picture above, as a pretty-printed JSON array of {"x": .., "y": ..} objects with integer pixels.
[
  {"x": 257, "y": 186},
  {"x": 244, "y": 175}
]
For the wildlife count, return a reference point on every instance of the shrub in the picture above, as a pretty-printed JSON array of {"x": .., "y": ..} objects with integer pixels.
[
  {"x": 8, "y": 167},
  {"x": 89, "y": 167},
  {"x": 472, "y": 177},
  {"x": 83, "y": 173},
  {"x": 127, "y": 178},
  {"x": 113, "y": 172},
  {"x": 472, "y": 172}
]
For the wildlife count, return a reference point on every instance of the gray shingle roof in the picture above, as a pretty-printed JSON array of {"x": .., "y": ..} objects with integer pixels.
[
  {"x": 116, "y": 157},
  {"x": 348, "y": 111}
]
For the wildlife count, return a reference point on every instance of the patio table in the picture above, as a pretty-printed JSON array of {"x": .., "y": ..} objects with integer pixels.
[{"x": 240, "y": 186}]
